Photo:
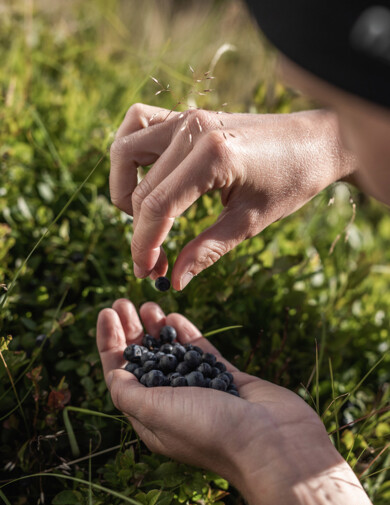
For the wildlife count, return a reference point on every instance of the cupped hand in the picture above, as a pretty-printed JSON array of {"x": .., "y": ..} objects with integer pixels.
[
  {"x": 265, "y": 167},
  {"x": 269, "y": 433}
]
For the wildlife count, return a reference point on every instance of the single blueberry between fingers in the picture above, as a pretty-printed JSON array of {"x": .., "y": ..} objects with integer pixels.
[{"x": 162, "y": 283}]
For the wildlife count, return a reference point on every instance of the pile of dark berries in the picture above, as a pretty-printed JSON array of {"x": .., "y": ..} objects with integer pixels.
[{"x": 166, "y": 362}]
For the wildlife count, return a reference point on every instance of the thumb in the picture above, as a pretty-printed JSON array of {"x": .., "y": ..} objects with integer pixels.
[{"x": 232, "y": 227}]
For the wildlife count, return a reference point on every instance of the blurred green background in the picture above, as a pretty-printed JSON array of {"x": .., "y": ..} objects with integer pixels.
[{"x": 312, "y": 320}]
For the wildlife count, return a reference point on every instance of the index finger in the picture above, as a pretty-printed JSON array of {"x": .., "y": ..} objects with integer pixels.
[{"x": 139, "y": 148}]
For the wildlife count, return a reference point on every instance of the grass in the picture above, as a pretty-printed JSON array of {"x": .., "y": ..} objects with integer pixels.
[{"x": 306, "y": 305}]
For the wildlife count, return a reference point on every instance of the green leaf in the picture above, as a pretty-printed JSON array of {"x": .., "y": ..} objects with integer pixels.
[
  {"x": 68, "y": 498},
  {"x": 66, "y": 365},
  {"x": 169, "y": 474}
]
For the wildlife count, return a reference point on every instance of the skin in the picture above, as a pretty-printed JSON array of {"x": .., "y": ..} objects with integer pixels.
[
  {"x": 255, "y": 441},
  {"x": 265, "y": 168}
]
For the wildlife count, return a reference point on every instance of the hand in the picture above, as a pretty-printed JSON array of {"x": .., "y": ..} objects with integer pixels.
[
  {"x": 269, "y": 441},
  {"x": 265, "y": 166}
]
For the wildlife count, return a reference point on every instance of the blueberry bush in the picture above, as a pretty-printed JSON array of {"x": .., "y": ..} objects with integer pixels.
[{"x": 308, "y": 299}]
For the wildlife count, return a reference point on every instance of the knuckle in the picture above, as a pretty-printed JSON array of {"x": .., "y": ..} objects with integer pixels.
[
  {"x": 208, "y": 255},
  {"x": 215, "y": 144},
  {"x": 152, "y": 206},
  {"x": 137, "y": 251},
  {"x": 117, "y": 147},
  {"x": 196, "y": 120},
  {"x": 134, "y": 111},
  {"x": 140, "y": 193}
]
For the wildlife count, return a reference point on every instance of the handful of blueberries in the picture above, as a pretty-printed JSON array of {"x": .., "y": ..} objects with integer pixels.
[{"x": 165, "y": 362}]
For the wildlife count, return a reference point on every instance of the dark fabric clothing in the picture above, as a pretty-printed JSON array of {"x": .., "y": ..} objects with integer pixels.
[{"x": 344, "y": 42}]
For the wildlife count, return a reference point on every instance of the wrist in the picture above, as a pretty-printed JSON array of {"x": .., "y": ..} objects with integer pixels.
[
  {"x": 275, "y": 469},
  {"x": 326, "y": 159}
]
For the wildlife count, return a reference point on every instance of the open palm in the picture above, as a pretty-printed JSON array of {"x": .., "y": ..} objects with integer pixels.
[{"x": 205, "y": 427}]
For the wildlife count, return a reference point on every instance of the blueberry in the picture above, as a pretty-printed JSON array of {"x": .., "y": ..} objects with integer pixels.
[
  {"x": 183, "y": 368},
  {"x": 154, "y": 378},
  {"x": 178, "y": 351},
  {"x": 173, "y": 375},
  {"x": 149, "y": 342},
  {"x": 162, "y": 284},
  {"x": 209, "y": 358},
  {"x": 130, "y": 367},
  {"x": 166, "y": 348},
  {"x": 193, "y": 359},
  {"x": 230, "y": 376},
  {"x": 133, "y": 353},
  {"x": 218, "y": 384},
  {"x": 168, "y": 334},
  {"x": 148, "y": 356},
  {"x": 215, "y": 372},
  {"x": 143, "y": 379},
  {"x": 195, "y": 379},
  {"x": 233, "y": 392},
  {"x": 221, "y": 366},
  {"x": 149, "y": 365},
  {"x": 42, "y": 339},
  {"x": 167, "y": 363},
  {"x": 207, "y": 381},
  {"x": 197, "y": 349},
  {"x": 205, "y": 369},
  {"x": 159, "y": 354},
  {"x": 139, "y": 372},
  {"x": 233, "y": 386},
  {"x": 179, "y": 382},
  {"x": 225, "y": 377}
]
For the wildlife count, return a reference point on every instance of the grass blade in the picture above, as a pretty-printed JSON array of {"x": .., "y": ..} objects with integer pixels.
[
  {"x": 220, "y": 330},
  {"x": 4, "y": 498},
  {"x": 74, "y": 479}
]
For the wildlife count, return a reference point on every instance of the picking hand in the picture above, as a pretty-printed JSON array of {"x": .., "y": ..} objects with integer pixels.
[{"x": 265, "y": 166}]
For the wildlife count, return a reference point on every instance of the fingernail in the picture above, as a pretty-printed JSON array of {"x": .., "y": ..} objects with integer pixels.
[
  {"x": 185, "y": 280},
  {"x": 138, "y": 272},
  {"x": 109, "y": 379}
]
